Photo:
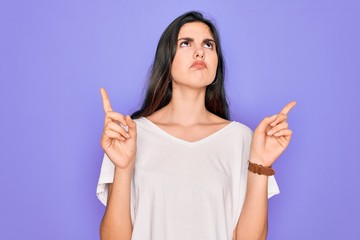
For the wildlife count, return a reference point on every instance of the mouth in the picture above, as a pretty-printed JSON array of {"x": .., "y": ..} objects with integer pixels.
[{"x": 198, "y": 65}]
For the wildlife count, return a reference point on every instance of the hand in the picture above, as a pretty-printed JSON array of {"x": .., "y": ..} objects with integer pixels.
[
  {"x": 118, "y": 144},
  {"x": 271, "y": 137}
]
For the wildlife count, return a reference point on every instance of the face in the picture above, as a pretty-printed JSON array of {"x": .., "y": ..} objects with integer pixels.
[{"x": 196, "y": 60}]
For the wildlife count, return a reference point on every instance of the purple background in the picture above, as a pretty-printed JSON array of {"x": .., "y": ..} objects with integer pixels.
[{"x": 55, "y": 55}]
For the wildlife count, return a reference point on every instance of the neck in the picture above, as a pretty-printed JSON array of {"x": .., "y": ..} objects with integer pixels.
[{"x": 187, "y": 107}]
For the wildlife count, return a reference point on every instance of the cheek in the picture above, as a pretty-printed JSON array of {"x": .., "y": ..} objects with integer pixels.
[
  {"x": 174, "y": 67},
  {"x": 214, "y": 63},
  {"x": 177, "y": 65}
]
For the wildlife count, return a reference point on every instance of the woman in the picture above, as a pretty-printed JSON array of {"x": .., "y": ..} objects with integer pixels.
[{"x": 181, "y": 169}]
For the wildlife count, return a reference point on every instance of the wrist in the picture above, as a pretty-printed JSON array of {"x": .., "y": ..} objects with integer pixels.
[
  {"x": 125, "y": 171},
  {"x": 260, "y": 169},
  {"x": 254, "y": 158}
]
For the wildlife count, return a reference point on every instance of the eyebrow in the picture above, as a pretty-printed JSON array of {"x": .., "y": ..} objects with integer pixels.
[{"x": 191, "y": 39}]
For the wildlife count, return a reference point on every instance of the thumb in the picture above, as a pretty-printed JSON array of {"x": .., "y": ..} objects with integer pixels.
[
  {"x": 261, "y": 128},
  {"x": 131, "y": 126}
]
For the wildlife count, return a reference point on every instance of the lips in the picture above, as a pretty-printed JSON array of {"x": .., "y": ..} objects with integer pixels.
[{"x": 198, "y": 65}]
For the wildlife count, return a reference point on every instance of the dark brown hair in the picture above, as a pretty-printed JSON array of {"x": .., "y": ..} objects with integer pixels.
[{"x": 159, "y": 90}]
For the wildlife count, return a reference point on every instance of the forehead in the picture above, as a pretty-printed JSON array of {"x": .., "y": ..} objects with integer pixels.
[{"x": 195, "y": 29}]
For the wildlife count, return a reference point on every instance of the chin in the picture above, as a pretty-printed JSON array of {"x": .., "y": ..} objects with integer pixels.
[
  {"x": 195, "y": 81},
  {"x": 194, "y": 84}
]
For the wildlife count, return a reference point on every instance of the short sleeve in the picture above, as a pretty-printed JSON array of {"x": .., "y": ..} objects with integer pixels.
[
  {"x": 273, "y": 188},
  {"x": 106, "y": 176}
]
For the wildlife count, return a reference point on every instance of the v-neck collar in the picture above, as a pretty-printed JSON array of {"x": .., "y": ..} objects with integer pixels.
[{"x": 165, "y": 133}]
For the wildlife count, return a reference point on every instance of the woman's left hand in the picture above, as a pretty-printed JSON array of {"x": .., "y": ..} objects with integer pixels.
[{"x": 271, "y": 138}]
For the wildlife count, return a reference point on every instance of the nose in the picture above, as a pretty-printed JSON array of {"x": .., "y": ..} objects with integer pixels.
[{"x": 199, "y": 53}]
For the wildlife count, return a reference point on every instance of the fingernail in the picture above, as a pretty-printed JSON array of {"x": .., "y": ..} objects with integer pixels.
[{"x": 269, "y": 132}]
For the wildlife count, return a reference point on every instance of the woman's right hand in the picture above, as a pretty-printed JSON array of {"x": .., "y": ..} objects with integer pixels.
[{"x": 118, "y": 144}]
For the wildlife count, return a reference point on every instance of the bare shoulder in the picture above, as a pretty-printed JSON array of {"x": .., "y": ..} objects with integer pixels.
[
  {"x": 216, "y": 120},
  {"x": 157, "y": 117}
]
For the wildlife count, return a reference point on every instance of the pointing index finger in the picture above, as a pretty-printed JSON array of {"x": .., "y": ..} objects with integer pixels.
[
  {"x": 105, "y": 100},
  {"x": 288, "y": 107}
]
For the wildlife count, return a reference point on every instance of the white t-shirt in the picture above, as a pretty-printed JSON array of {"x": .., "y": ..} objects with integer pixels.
[{"x": 186, "y": 190}]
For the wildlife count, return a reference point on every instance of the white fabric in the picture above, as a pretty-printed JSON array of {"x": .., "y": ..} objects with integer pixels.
[{"x": 186, "y": 190}]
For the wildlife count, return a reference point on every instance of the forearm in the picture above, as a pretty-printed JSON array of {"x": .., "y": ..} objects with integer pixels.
[
  {"x": 253, "y": 219},
  {"x": 116, "y": 223}
]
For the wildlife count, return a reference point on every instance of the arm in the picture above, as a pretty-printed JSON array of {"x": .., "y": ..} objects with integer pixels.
[
  {"x": 270, "y": 139},
  {"x": 120, "y": 146},
  {"x": 116, "y": 223},
  {"x": 253, "y": 218}
]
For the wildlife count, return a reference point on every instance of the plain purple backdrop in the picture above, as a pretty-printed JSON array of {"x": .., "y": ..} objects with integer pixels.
[{"x": 55, "y": 55}]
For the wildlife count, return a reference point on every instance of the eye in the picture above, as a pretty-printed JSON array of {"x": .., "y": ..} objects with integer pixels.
[
  {"x": 209, "y": 45},
  {"x": 184, "y": 44}
]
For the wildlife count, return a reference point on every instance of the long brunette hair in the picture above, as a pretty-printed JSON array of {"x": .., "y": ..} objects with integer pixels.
[{"x": 159, "y": 90}]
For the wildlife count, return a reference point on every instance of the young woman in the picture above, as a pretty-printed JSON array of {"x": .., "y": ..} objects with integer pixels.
[{"x": 178, "y": 168}]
